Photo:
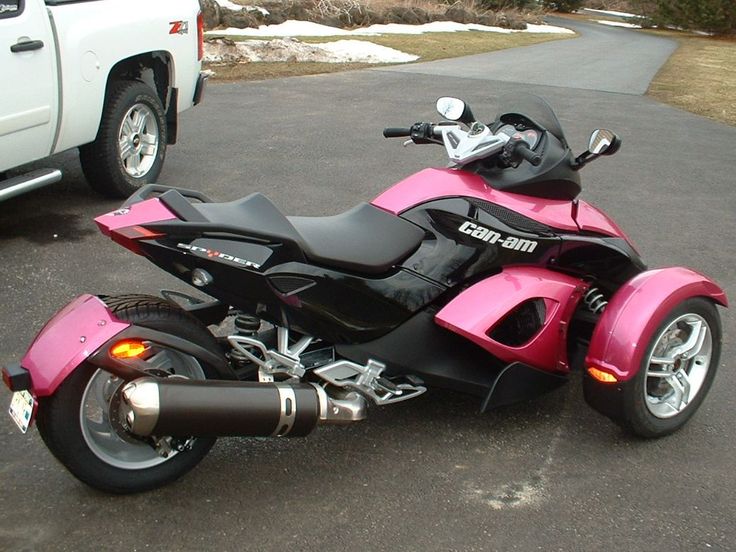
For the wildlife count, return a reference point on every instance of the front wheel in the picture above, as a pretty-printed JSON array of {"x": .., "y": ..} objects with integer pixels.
[
  {"x": 81, "y": 423},
  {"x": 677, "y": 370},
  {"x": 130, "y": 146}
]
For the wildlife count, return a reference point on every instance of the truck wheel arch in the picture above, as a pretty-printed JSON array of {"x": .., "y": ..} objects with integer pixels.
[{"x": 155, "y": 69}]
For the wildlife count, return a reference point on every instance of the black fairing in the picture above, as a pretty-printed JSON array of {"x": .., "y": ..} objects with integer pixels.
[
  {"x": 554, "y": 177},
  {"x": 450, "y": 256}
]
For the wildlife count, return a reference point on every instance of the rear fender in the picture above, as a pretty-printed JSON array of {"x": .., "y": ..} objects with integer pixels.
[
  {"x": 85, "y": 330},
  {"x": 483, "y": 307},
  {"x": 636, "y": 311},
  {"x": 67, "y": 340}
]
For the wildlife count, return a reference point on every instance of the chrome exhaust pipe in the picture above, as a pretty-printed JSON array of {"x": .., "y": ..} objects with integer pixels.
[{"x": 211, "y": 408}]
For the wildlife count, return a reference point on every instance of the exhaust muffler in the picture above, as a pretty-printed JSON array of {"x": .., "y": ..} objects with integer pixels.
[{"x": 211, "y": 408}]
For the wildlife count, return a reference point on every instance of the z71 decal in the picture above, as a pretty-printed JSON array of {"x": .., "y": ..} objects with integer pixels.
[
  {"x": 179, "y": 27},
  {"x": 491, "y": 236}
]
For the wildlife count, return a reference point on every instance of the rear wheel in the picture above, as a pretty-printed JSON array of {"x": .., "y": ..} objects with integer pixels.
[
  {"x": 81, "y": 422},
  {"x": 677, "y": 370}
]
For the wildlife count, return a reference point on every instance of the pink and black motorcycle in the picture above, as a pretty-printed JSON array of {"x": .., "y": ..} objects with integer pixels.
[{"x": 488, "y": 277}]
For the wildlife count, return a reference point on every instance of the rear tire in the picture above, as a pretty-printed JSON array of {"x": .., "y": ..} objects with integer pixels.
[
  {"x": 664, "y": 395},
  {"x": 89, "y": 443},
  {"x": 130, "y": 146}
]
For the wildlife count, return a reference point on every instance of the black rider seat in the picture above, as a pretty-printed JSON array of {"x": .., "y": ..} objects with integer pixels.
[{"x": 364, "y": 239}]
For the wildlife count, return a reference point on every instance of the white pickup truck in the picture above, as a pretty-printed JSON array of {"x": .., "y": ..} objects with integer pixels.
[{"x": 107, "y": 76}]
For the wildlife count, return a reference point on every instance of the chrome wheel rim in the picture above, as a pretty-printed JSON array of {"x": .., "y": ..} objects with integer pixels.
[
  {"x": 678, "y": 365},
  {"x": 138, "y": 140},
  {"x": 104, "y": 436}
]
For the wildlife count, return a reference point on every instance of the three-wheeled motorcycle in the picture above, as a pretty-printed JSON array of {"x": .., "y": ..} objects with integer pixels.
[{"x": 488, "y": 277}]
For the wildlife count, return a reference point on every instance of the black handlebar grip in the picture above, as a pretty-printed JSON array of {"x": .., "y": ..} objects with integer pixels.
[
  {"x": 523, "y": 151},
  {"x": 396, "y": 132}
]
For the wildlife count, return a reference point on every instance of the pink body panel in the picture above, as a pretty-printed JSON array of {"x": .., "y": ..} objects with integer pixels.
[
  {"x": 480, "y": 307},
  {"x": 431, "y": 184},
  {"x": 592, "y": 219},
  {"x": 150, "y": 210},
  {"x": 636, "y": 310},
  {"x": 72, "y": 335}
]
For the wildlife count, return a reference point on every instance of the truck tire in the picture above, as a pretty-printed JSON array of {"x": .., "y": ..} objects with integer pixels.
[
  {"x": 78, "y": 422},
  {"x": 130, "y": 146}
]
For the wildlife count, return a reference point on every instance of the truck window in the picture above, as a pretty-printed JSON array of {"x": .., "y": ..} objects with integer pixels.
[{"x": 10, "y": 8}]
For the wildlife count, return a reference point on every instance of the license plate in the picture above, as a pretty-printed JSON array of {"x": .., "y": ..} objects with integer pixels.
[{"x": 21, "y": 409}]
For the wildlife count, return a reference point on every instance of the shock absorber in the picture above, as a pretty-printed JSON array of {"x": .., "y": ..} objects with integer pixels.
[
  {"x": 246, "y": 325},
  {"x": 595, "y": 301}
]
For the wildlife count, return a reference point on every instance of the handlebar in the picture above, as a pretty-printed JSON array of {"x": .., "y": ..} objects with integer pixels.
[
  {"x": 523, "y": 151},
  {"x": 396, "y": 132}
]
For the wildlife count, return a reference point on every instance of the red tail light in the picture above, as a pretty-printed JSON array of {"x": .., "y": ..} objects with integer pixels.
[
  {"x": 128, "y": 237},
  {"x": 200, "y": 36}
]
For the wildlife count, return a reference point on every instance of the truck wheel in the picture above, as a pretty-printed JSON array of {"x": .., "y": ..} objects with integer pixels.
[
  {"x": 81, "y": 423},
  {"x": 677, "y": 370},
  {"x": 131, "y": 143}
]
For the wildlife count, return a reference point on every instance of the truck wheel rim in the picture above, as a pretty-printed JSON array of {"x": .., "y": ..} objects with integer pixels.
[
  {"x": 97, "y": 413},
  {"x": 678, "y": 365},
  {"x": 138, "y": 140}
]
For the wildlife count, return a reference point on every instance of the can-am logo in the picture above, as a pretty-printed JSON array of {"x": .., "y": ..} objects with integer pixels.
[
  {"x": 491, "y": 236},
  {"x": 211, "y": 253}
]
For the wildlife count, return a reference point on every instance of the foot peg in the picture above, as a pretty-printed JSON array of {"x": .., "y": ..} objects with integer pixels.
[{"x": 367, "y": 380}]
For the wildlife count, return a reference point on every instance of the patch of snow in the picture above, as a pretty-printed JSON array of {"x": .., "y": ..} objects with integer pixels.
[
  {"x": 531, "y": 28},
  {"x": 613, "y": 13},
  {"x": 290, "y": 49},
  {"x": 365, "y": 52},
  {"x": 307, "y": 28},
  {"x": 618, "y": 24},
  {"x": 237, "y": 7}
]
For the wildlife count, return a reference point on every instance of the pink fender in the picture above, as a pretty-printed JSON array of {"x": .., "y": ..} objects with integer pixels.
[
  {"x": 67, "y": 340},
  {"x": 477, "y": 311},
  {"x": 636, "y": 310}
]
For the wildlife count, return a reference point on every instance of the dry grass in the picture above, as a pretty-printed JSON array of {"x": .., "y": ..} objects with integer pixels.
[
  {"x": 428, "y": 47},
  {"x": 433, "y": 46},
  {"x": 700, "y": 77},
  {"x": 265, "y": 71}
]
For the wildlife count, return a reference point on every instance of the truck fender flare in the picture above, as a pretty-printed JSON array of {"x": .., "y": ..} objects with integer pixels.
[{"x": 635, "y": 312}]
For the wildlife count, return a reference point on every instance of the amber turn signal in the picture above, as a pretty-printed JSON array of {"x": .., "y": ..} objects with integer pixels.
[
  {"x": 601, "y": 376},
  {"x": 128, "y": 349}
]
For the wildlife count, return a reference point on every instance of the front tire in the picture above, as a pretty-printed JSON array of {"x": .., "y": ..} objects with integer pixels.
[
  {"x": 80, "y": 423},
  {"x": 130, "y": 146},
  {"x": 677, "y": 370}
]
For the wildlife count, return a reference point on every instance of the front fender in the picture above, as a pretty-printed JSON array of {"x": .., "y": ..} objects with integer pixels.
[
  {"x": 636, "y": 310},
  {"x": 67, "y": 340},
  {"x": 481, "y": 308}
]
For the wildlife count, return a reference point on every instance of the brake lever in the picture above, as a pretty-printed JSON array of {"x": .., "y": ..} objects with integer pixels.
[{"x": 408, "y": 143}]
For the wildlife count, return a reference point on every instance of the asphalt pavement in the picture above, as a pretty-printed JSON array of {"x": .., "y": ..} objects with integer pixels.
[{"x": 430, "y": 474}]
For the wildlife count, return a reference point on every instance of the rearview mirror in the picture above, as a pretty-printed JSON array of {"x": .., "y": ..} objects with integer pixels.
[
  {"x": 604, "y": 142},
  {"x": 455, "y": 109}
]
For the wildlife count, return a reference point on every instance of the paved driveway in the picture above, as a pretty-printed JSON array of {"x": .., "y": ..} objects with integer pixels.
[{"x": 431, "y": 474}]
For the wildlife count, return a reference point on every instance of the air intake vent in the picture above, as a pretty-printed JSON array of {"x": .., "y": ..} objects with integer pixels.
[
  {"x": 512, "y": 218},
  {"x": 289, "y": 285},
  {"x": 521, "y": 324}
]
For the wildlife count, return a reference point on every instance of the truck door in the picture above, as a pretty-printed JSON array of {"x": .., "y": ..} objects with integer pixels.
[{"x": 28, "y": 90}]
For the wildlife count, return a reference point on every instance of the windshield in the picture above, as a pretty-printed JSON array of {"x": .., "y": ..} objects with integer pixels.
[{"x": 533, "y": 108}]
